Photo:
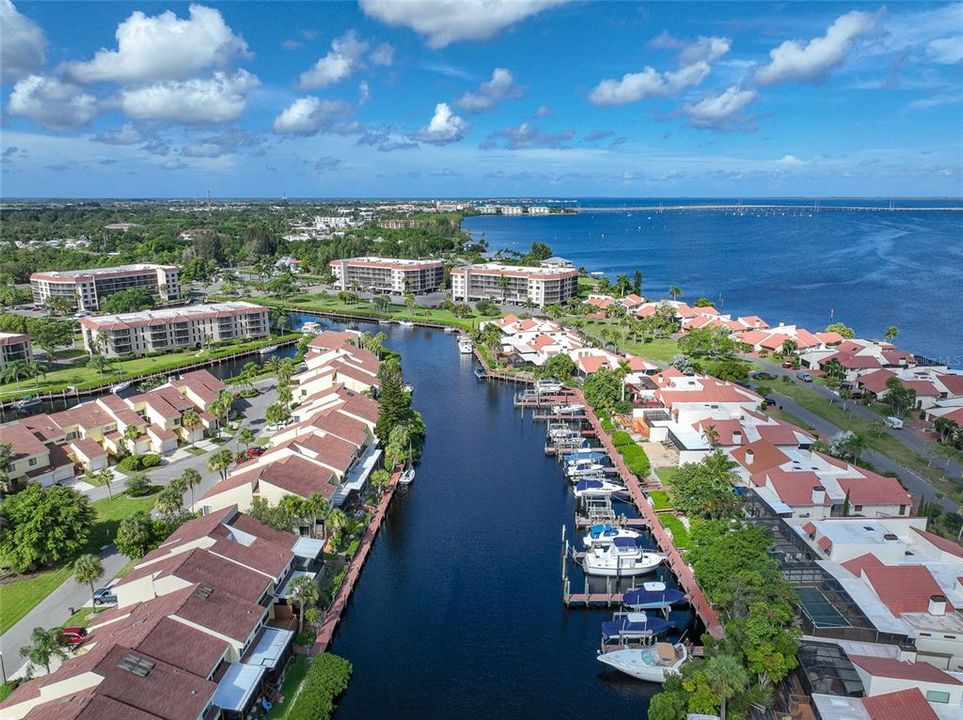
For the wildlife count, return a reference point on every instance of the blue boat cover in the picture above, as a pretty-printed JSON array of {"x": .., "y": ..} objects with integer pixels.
[
  {"x": 602, "y": 529},
  {"x": 588, "y": 485},
  {"x": 641, "y": 596},
  {"x": 614, "y": 628},
  {"x": 625, "y": 542}
]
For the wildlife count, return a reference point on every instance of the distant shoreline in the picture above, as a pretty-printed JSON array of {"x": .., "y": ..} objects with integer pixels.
[{"x": 755, "y": 206}]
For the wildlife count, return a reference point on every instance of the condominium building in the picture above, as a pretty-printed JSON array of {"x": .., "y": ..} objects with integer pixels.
[
  {"x": 393, "y": 275},
  {"x": 14, "y": 346},
  {"x": 513, "y": 284},
  {"x": 86, "y": 289},
  {"x": 191, "y": 326}
]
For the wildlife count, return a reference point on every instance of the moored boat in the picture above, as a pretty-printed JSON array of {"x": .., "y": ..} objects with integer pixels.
[
  {"x": 27, "y": 404},
  {"x": 653, "y": 663},
  {"x": 407, "y": 477},
  {"x": 622, "y": 558},
  {"x": 120, "y": 387},
  {"x": 585, "y": 488},
  {"x": 268, "y": 350},
  {"x": 465, "y": 345},
  {"x": 651, "y": 596},
  {"x": 406, "y": 323},
  {"x": 567, "y": 408},
  {"x": 632, "y": 626},
  {"x": 603, "y": 534}
]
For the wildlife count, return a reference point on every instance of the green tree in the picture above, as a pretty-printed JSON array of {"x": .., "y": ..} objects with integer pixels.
[
  {"x": 561, "y": 367},
  {"x": 88, "y": 570},
  {"x": 381, "y": 302},
  {"x": 899, "y": 397},
  {"x": 637, "y": 283},
  {"x": 674, "y": 292},
  {"x": 190, "y": 478},
  {"x": 336, "y": 524},
  {"x": 59, "y": 306},
  {"x": 280, "y": 321},
  {"x": 704, "y": 489},
  {"x": 43, "y": 526},
  {"x": 394, "y": 402},
  {"x": 710, "y": 342},
  {"x": 52, "y": 334},
  {"x": 135, "y": 535},
  {"x": 245, "y": 436},
  {"x": 304, "y": 591},
  {"x": 42, "y": 650},
  {"x": 170, "y": 501},
  {"x": 714, "y": 683},
  {"x": 127, "y": 301},
  {"x": 100, "y": 363},
  {"x": 190, "y": 420},
  {"x": 6, "y": 454},
  {"x": 220, "y": 462},
  {"x": 891, "y": 332},
  {"x": 277, "y": 414},
  {"x": 138, "y": 485},
  {"x": 842, "y": 330}
]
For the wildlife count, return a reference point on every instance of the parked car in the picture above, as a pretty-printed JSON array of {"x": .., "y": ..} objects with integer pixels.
[
  {"x": 893, "y": 422},
  {"x": 71, "y": 636},
  {"x": 254, "y": 451},
  {"x": 804, "y": 376},
  {"x": 105, "y": 596},
  {"x": 787, "y": 364}
]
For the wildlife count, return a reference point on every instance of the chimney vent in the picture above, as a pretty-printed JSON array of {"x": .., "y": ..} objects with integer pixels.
[{"x": 937, "y": 605}]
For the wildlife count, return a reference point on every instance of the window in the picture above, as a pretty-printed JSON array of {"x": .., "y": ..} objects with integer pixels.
[
  {"x": 857, "y": 508},
  {"x": 32, "y": 461},
  {"x": 937, "y": 696},
  {"x": 902, "y": 509}
]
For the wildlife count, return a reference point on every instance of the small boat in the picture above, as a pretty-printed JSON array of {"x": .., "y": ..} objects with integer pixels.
[
  {"x": 465, "y": 345},
  {"x": 586, "y": 455},
  {"x": 480, "y": 373},
  {"x": 651, "y": 596},
  {"x": 311, "y": 328},
  {"x": 582, "y": 465},
  {"x": 585, "y": 488},
  {"x": 268, "y": 350},
  {"x": 586, "y": 472},
  {"x": 632, "y": 626},
  {"x": 622, "y": 558},
  {"x": 406, "y": 323},
  {"x": 120, "y": 387},
  {"x": 653, "y": 663},
  {"x": 603, "y": 534},
  {"x": 27, "y": 404},
  {"x": 408, "y": 388},
  {"x": 567, "y": 408},
  {"x": 550, "y": 387},
  {"x": 407, "y": 477},
  {"x": 450, "y": 330}
]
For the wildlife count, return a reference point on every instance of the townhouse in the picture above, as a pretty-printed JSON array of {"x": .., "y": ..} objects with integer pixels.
[
  {"x": 936, "y": 388},
  {"x": 388, "y": 275},
  {"x": 202, "y": 629},
  {"x": 86, "y": 290},
  {"x": 169, "y": 328},
  {"x": 513, "y": 284},
  {"x": 52, "y": 448},
  {"x": 14, "y": 347}
]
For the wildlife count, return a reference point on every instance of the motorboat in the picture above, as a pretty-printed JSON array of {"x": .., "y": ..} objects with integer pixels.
[
  {"x": 622, "y": 558},
  {"x": 632, "y": 626},
  {"x": 602, "y": 534},
  {"x": 407, "y": 477},
  {"x": 311, "y": 328},
  {"x": 567, "y": 408},
  {"x": 576, "y": 476},
  {"x": 586, "y": 488},
  {"x": 120, "y": 387},
  {"x": 583, "y": 467},
  {"x": 450, "y": 330},
  {"x": 408, "y": 388},
  {"x": 465, "y": 345},
  {"x": 652, "y": 664},
  {"x": 651, "y": 596},
  {"x": 406, "y": 323},
  {"x": 585, "y": 455},
  {"x": 27, "y": 404},
  {"x": 550, "y": 387},
  {"x": 268, "y": 350}
]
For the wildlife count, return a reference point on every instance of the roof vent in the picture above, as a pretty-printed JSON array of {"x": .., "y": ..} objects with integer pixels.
[
  {"x": 203, "y": 591},
  {"x": 890, "y": 537},
  {"x": 137, "y": 665},
  {"x": 937, "y": 605}
]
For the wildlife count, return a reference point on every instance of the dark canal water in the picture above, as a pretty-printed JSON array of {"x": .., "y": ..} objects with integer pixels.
[{"x": 458, "y": 612}]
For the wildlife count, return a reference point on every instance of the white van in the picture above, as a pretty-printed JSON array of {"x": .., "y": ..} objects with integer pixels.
[{"x": 894, "y": 422}]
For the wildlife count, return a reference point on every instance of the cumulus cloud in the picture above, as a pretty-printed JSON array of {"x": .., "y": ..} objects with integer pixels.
[
  {"x": 501, "y": 87},
  {"x": 692, "y": 51},
  {"x": 342, "y": 60},
  {"x": 163, "y": 47},
  {"x": 444, "y": 127},
  {"x": 809, "y": 61},
  {"x": 526, "y": 136},
  {"x": 633, "y": 87},
  {"x": 442, "y": 22},
  {"x": 384, "y": 55},
  {"x": 220, "y": 98},
  {"x": 21, "y": 43},
  {"x": 51, "y": 102},
  {"x": 718, "y": 111},
  {"x": 310, "y": 115},
  {"x": 790, "y": 161},
  {"x": 946, "y": 51}
]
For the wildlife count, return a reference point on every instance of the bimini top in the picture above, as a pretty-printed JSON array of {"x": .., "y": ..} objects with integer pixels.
[{"x": 625, "y": 542}]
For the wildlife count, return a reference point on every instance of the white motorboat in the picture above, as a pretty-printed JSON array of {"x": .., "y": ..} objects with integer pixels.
[
  {"x": 548, "y": 387},
  {"x": 406, "y": 323},
  {"x": 408, "y": 388},
  {"x": 268, "y": 350},
  {"x": 594, "y": 488},
  {"x": 567, "y": 408},
  {"x": 627, "y": 626},
  {"x": 604, "y": 534},
  {"x": 407, "y": 477},
  {"x": 120, "y": 387},
  {"x": 465, "y": 345},
  {"x": 622, "y": 558},
  {"x": 311, "y": 328},
  {"x": 653, "y": 595},
  {"x": 583, "y": 467},
  {"x": 450, "y": 330},
  {"x": 652, "y": 664}
]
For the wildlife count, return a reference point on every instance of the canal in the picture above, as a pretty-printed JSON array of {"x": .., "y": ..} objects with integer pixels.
[{"x": 458, "y": 612}]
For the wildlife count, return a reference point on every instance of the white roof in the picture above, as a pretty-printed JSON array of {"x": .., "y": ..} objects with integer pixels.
[{"x": 236, "y": 687}]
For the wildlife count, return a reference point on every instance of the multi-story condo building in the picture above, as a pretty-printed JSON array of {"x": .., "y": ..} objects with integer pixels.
[
  {"x": 394, "y": 275},
  {"x": 86, "y": 289},
  {"x": 14, "y": 346},
  {"x": 513, "y": 284},
  {"x": 191, "y": 326}
]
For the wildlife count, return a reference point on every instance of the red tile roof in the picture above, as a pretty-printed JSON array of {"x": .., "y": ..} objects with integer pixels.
[
  {"x": 857, "y": 564},
  {"x": 892, "y": 668},
  {"x": 903, "y": 705},
  {"x": 796, "y": 488},
  {"x": 874, "y": 489},
  {"x": 765, "y": 456},
  {"x": 943, "y": 544},
  {"x": 903, "y": 588}
]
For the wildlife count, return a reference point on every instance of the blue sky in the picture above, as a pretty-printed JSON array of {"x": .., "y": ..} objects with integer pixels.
[{"x": 520, "y": 97}]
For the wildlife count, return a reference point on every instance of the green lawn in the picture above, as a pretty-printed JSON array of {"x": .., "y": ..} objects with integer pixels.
[
  {"x": 289, "y": 688},
  {"x": 659, "y": 350},
  {"x": 84, "y": 616},
  {"x": 680, "y": 536},
  {"x": 19, "y": 597},
  {"x": 666, "y": 474},
  {"x": 84, "y": 378},
  {"x": 196, "y": 451},
  {"x": 788, "y": 417},
  {"x": 660, "y": 499}
]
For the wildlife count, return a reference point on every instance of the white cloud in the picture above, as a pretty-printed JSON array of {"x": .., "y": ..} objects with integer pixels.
[
  {"x": 443, "y": 22},
  {"x": 946, "y": 51},
  {"x": 527, "y": 136},
  {"x": 220, "y": 98},
  {"x": 692, "y": 51},
  {"x": 311, "y": 115},
  {"x": 795, "y": 60},
  {"x": 790, "y": 161},
  {"x": 717, "y": 111},
  {"x": 343, "y": 60},
  {"x": 127, "y": 134},
  {"x": 52, "y": 102},
  {"x": 501, "y": 87},
  {"x": 384, "y": 54},
  {"x": 21, "y": 43},
  {"x": 445, "y": 127},
  {"x": 163, "y": 47},
  {"x": 648, "y": 83}
]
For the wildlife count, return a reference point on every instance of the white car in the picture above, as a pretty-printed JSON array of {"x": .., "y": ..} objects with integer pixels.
[{"x": 894, "y": 422}]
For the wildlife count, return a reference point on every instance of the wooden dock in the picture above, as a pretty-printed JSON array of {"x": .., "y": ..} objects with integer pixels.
[{"x": 674, "y": 558}]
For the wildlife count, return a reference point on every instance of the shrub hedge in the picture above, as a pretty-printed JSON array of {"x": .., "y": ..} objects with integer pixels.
[
  {"x": 635, "y": 458},
  {"x": 326, "y": 679},
  {"x": 136, "y": 463},
  {"x": 620, "y": 439}
]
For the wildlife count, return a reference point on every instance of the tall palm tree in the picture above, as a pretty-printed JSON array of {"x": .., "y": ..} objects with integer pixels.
[
  {"x": 42, "y": 649},
  {"x": 170, "y": 500},
  {"x": 220, "y": 462},
  {"x": 316, "y": 507},
  {"x": 190, "y": 420},
  {"x": 88, "y": 570},
  {"x": 727, "y": 677},
  {"x": 674, "y": 292},
  {"x": 304, "y": 591},
  {"x": 891, "y": 332},
  {"x": 131, "y": 433},
  {"x": 190, "y": 478},
  {"x": 245, "y": 436},
  {"x": 336, "y": 523}
]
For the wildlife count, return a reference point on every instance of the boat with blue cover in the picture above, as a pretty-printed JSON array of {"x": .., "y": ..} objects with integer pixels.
[
  {"x": 632, "y": 626},
  {"x": 652, "y": 596},
  {"x": 602, "y": 534}
]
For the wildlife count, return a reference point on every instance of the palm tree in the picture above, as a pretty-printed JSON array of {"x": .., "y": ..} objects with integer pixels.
[
  {"x": 891, "y": 332},
  {"x": 99, "y": 363},
  {"x": 711, "y": 435},
  {"x": 102, "y": 477},
  {"x": 33, "y": 370},
  {"x": 304, "y": 591},
  {"x": 131, "y": 433},
  {"x": 42, "y": 649},
  {"x": 336, "y": 523},
  {"x": 170, "y": 501},
  {"x": 87, "y": 570},
  {"x": 316, "y": 506},
  {"x": 245, "y": 436},
  {"x": 856, "y": 445},
  {"x": 190, "y": 478},
  {"x": 220, "y": 462},
  {"x": 727, "y": 677},
  {"x": 13, "y": 371},
  {"x": 190, "y": 420},
  {"x": 503, "y": 286},
  {"x": 674, "y": 292}
]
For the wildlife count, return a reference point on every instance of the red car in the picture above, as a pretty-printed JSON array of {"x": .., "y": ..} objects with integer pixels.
[
  {"x": 787, "y": 364},
  {"x": 254, "y": 452},
  {"x": 72, "y": 636}
]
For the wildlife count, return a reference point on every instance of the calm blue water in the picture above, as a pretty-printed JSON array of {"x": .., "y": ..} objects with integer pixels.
[
  {"x": 458, "y": 612},
  {"x": 867, "y": 269}
]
